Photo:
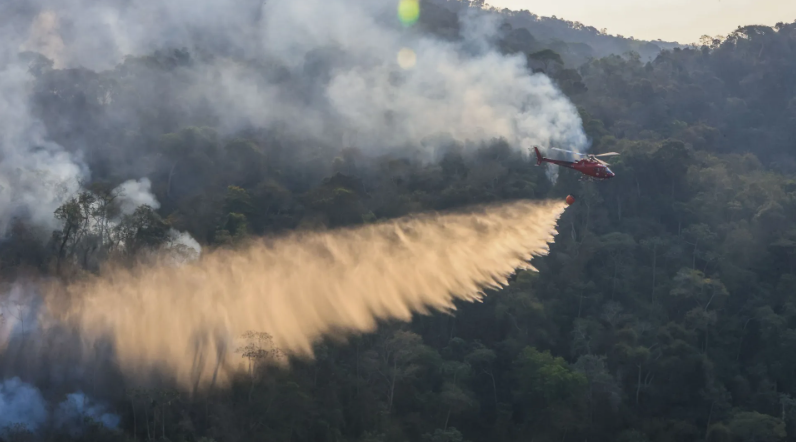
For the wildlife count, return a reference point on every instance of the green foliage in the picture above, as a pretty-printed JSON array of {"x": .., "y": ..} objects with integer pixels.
[
  {"x": 448, "y": 435},
  {"x": 757, "y": 427},
  {"x": 143, "y": 229},
  {"x": 539, "y": 374},
  {"x": 238, "y": 200},
  {"x": 546, "y": 56},
  {"x": 719, "y": 433}
]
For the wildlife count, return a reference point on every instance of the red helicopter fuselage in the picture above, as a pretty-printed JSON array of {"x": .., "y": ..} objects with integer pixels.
[{"x": 587, "y": 166}]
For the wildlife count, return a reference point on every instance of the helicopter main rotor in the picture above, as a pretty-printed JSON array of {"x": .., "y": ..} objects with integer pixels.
[{"x": 589, "y": 155}]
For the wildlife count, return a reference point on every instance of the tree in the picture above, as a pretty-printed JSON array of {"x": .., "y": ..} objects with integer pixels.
[
  {"x": 73, "y": 218},
  {"x": 546, "y": 56},
  {"x": 143, "y": 230},
  {"x": 545, "y": 384},
  {"x": 756, "y": 427},
  {"x": 260, "y": 351}
]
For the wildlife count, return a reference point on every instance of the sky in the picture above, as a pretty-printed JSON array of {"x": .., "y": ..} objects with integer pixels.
[{"x": 683, "y": 21}]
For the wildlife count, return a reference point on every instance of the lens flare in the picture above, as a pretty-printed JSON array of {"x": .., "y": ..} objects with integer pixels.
[
  {"x": 408, "y": 11},
  {"x": 407, "y": 58}
]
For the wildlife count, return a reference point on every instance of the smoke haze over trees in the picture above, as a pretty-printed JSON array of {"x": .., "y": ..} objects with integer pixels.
[{"x": 664, "y": 311}]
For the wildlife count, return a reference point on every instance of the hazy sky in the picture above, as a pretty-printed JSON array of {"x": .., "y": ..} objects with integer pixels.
[{"x": 683, "y": 21}]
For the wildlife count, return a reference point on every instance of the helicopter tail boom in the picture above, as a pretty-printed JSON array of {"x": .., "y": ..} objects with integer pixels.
[{"x": 539, "y": 157}]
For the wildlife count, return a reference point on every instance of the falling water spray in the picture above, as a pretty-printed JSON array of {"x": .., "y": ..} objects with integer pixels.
[{"x": 187, "y": 321}]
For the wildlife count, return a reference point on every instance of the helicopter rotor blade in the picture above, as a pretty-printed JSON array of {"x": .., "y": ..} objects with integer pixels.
[
  {"x": 568, "y": 151},
  {"x": 601, "y": 162},
  {"x": 607, "y": 154}
]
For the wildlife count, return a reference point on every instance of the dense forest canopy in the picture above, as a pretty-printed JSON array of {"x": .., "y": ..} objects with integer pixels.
[
  {"x": 574, "y": 40},
  {"x": 664, "y": 312}
]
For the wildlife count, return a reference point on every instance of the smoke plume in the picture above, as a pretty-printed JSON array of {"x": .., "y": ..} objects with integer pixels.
[
  {"x": 36, "y": 175},
  {"x": 316, "y": 70},
  {"x": 187, "y": 321},
  {"x": 70, "y": 413},
  {"x": 132, "y": 194},
  {"x": 22, "y": 405}
]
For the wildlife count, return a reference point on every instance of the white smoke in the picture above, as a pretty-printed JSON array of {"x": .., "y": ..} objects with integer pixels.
[
  {"x": 479, "y": 31},
  {"x": 131, "y": 194},
  {"x": 184, "y": 248},
  {"x": 467, "y": 89},
  {"x": 36, "y": 175},
  {"x": 76, "y": 407},
  {"x": 135, "y": 193},
  {"x": 22, "y": 404},
  {"x": 551, "y": 170}
]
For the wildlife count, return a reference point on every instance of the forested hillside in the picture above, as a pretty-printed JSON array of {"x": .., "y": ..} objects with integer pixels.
[
  {"x": 575, "y": 41},
  {"x": 664, "y": 312}
]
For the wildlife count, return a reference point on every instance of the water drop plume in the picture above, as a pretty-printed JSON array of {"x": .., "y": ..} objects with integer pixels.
[{"x": 186, "y": 321}]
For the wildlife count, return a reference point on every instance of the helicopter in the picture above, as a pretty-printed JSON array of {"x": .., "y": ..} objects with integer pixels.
[{"x": 589, "y": 165}]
